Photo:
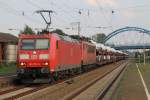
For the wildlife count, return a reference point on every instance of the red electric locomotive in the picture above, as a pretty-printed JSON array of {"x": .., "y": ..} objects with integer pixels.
[{"x": 47, "y": 56}]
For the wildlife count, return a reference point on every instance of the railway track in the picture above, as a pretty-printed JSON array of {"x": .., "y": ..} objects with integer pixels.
[
  {"x": 7, "y": 75},
  {"x": 22, "y": 90},
  {"x": 60, "y": 90},
  {"x": 117, "y": 76},
  {"x": 33, "y": 92},
  {"x": 7, "y": 80},
  {"x": 102, "y": 86},
  {"x": 19, "y": 91}
]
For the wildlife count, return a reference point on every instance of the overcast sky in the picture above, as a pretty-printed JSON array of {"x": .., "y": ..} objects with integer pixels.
[{"x": 108, "y": 14}]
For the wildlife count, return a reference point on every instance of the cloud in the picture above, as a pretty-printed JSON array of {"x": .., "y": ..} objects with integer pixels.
[{"x": 102, "y": 2}]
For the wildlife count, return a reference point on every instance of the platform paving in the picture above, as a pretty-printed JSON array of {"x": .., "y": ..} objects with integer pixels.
[
  {"x": 131, "y": 86},
  {"x": 145, "y": 70}
]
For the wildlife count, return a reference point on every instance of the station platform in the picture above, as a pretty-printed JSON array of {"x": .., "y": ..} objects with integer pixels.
[{"x": 135, "y": 83}]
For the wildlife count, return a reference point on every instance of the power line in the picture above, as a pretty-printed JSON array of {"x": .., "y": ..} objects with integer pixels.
[
  {"x": 101, "y": 9},
  {"x": 63, "y": 10},
  {"x": 33, "y": 4},
  {"x": 13, "y": 11},
  {"x": 39, "y": 7},
  {"x": 136, "y": 6},
  {"x": 68, "y": 10}
]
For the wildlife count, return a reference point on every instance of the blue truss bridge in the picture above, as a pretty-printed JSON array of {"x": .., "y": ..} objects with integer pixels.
[{"x": 129, "y": 46}]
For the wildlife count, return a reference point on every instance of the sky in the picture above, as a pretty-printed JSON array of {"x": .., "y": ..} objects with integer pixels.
[{"x": 96, "y": 16}]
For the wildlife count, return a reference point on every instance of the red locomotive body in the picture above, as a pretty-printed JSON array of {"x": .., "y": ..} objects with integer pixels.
[
  {"x": 49, "y": 56},
  {"x": 40, "y": 56}
]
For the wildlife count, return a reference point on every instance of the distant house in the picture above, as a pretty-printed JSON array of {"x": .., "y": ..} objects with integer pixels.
[{"x": 8, "y": 47}]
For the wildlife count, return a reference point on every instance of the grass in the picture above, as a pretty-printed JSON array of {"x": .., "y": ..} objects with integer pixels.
[{"x": 7, "y": 68}]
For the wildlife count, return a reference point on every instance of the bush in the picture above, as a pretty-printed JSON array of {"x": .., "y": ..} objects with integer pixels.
[{"x": 7, "y": 67}]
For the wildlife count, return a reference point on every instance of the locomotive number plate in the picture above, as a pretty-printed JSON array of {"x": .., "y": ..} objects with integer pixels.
[{"x": 34, "y": 57}]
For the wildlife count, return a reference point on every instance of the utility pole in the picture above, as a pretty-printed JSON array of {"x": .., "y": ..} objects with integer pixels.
[
  {"x": 144, "y": 56},
  {"x": 79, "y": 29},
  {"x": 144, "y": 51}
]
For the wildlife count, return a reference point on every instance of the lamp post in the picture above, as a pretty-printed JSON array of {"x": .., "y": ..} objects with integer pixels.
[{"x": 144, "y": 56}]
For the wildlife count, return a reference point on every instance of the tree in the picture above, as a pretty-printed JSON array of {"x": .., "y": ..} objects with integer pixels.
[
  {"x": 28, "y": 30},
  {"x": 58, "y": 31},
  {"x": 99, "y": 37}
]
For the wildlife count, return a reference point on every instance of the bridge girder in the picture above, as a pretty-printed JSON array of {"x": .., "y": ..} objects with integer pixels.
[
  {"x": 132, "y": 47},
  {"x": 141, "y": 30}
]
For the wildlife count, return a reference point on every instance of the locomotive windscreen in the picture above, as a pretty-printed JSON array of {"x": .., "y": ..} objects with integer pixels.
[{"x": 30, "y": 44}]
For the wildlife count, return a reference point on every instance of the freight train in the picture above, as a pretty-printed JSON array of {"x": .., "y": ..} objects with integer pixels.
[{"x": 46, "y": 57}]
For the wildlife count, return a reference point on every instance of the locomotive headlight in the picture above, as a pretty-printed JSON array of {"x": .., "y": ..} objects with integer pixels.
[
  {"x": 22, "y": 64},
  {"x": 45, "y": 63},
  {"x": 24, "y": 56},
  {"x": 43, "y": 56}
]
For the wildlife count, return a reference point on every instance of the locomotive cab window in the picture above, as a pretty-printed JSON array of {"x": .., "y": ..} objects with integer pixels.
[
  {"x": 42, "y": 43},
  {"x": 30, "y": 44},
  {"x": 27, "y": 44}
]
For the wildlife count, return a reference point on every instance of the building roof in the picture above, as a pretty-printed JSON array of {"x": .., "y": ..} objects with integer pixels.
[{"x": 8, "y": 38}]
